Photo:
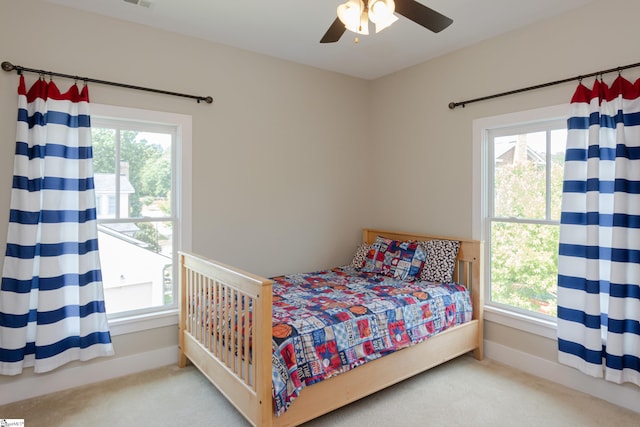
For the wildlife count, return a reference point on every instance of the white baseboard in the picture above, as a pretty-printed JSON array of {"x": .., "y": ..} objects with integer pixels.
[
  {"x": 31, "y": 385},
  {"x": 35, "y": 385},
  {"x": 626, "y": 396}
]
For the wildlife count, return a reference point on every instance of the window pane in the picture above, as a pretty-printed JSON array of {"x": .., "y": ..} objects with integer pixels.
[
  {"x": 558, "y": 148},
  {"x": 104, "y": 166},
  {"x": 524, "y": 265},
  {"x": 520, "y": 176},
  {"x": 103, "y": 143},
  {"x": 136, "y": 261}
]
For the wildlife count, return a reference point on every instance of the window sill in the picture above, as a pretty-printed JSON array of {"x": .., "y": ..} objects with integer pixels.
[
  {"x": 143, "y": 322},
  {"x": 533, "y": 325}
]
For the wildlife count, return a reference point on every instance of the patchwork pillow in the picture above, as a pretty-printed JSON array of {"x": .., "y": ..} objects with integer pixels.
[
  {"x": 397, "y": 259},
  {"x": 441, "y": 260},
  {"x": 360, "y": 256}
]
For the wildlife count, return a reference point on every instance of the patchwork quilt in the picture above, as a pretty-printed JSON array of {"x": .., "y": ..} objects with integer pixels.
[{"x": 328, "y": 322}]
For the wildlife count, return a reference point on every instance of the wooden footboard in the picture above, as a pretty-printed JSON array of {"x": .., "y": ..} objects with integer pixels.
[
  {"x": 225, "y": 314},
  {"x": 217, "y": 301}
]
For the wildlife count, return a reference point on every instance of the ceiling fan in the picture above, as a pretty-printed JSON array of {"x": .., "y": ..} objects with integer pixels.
[{"x": 354, "y": 15}]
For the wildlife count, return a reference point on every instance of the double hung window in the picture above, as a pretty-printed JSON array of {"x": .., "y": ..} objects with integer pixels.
[
  {"x": 137, "y": 166},
  {"x": 522, "y": 172}
]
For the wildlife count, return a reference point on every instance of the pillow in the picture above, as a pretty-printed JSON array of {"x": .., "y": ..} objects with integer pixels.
[
  {"x": 401, "y": 260},
  {"x": 360, "y": 256},
  {"x": 441, "y": 260}
]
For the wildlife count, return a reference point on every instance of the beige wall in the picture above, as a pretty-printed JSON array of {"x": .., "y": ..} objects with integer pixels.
[{"x": 283, "y": 175}]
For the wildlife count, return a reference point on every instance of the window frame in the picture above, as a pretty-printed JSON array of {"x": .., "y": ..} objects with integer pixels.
[
  {"x": 528, "y": 120},
  {"x": 155, "y": 317}
]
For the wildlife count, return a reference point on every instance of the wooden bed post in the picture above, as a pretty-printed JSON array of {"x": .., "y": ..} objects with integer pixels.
[
  {"x": 263, "y": 330},
  {"x": 477, "y": 299},
  {"x": 182, "y": 358}
]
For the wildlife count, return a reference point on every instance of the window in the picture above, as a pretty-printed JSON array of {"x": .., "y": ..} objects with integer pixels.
[
  {"x": 142, "y": 206},
  {"x": 522, "y": 162}
]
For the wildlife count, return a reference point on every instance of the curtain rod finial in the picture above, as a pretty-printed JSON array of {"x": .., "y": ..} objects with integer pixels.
[
  {"x": 452, "y": 105},
  {"x": 7, "y": 66}
]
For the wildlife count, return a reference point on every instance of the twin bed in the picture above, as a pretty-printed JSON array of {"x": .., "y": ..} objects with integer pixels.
[{"x": 289, "y": 349}]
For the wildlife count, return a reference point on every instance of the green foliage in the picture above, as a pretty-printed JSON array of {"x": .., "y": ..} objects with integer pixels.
[
  {"x": 156, "y": 177},
  {"x": 147, "y": 233},
  {"x": 104, "y": 150},
  {"x": 525, "y": 265},
  {"x": 520, "y": 191}
]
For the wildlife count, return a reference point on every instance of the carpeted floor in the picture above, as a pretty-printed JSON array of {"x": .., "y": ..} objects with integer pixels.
[{"x": 463, "y": 392}]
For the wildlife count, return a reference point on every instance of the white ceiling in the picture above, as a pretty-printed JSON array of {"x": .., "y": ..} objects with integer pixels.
[{"x": 291, "y": 29}]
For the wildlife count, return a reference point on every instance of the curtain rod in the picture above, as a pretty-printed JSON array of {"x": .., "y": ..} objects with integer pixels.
[
  {"x": 453, "y": 105},
  {"x": 8, "y": 66}
]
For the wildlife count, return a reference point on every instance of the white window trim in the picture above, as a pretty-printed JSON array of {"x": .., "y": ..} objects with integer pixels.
[
  {"x": 163, "y": 316},
  {"x": 143, "y": 322},
  {"x": 495, "y": 312}
]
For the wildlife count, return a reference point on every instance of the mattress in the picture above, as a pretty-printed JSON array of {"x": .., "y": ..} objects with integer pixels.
[{"x": 329, "y": 322}]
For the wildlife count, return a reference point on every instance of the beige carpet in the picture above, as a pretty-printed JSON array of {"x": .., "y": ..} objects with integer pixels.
[{"x": 462, "y": 392}]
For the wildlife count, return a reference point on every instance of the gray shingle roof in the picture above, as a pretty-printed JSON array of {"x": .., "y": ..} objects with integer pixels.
[{"x": 105, "y": 183}]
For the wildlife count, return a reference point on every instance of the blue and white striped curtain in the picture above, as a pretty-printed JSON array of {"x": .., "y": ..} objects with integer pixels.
[
  {"x": 599, "y": 253},
  {"x": 51, "y": 298}
]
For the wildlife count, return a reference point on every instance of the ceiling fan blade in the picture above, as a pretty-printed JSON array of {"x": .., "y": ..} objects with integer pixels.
[
  {"x": 335, "y": 31},
  {"x": 421, "y": 14}
]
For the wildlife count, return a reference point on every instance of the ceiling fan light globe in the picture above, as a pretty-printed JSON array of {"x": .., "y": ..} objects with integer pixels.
[
  {"x": 354, "y": 16},
  {"x": 381, "y": 11},
  {"x": 382, "y": 25},
  {"x": 349, "y": 12}
]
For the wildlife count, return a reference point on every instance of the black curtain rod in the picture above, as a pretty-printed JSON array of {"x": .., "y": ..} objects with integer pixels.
[
  {"x": 453, "y": 105},
  {"x": 8, "y": 66}
]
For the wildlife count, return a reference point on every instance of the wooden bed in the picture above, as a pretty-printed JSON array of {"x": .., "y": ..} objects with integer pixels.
[{"x": 248, "y": 386}]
